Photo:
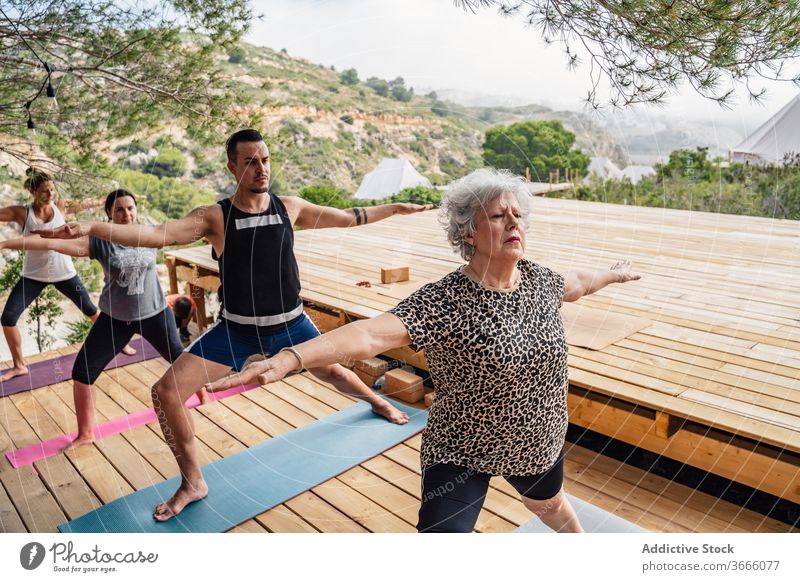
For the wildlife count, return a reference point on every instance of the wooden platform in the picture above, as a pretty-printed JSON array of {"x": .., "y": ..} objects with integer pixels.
[
  {"x": 380, "y": 495},
  {"x": 713, "y": 382}
]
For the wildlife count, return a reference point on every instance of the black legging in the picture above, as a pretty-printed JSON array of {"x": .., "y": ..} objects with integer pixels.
[
  {"x": 26, "y": 290},
  {"x": 108, "y": 336},
  {"x": 452, "y": 496}
]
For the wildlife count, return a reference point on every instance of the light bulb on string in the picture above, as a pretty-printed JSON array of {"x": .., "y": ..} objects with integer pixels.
[{"x": 31, "y": 125}]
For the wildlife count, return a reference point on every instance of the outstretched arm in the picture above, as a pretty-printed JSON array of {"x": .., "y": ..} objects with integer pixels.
[
  {"x": 580, "y": 283},
  {"x": 74, "y": 206},
  {"x": 73, "y": 248},
  {"x": 190, "y": 228},
  {"x": 354, "y": 341},
  {"x": 14, "y": 213},
  {"x": 308, "y": 215}
]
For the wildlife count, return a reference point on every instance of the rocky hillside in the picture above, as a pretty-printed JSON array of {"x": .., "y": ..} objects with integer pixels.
[{"x": 323, "y": 126}]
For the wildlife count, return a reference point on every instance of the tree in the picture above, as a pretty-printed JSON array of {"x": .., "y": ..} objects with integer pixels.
[
  {"x": 646, "y": 48},
  {"x": 380, "y": 86},
  {"x": 114, "y": 68},
  {"x": 349, "y": 77},
  {"x": 399, "y": 91},
  {"x": 542, "y": 146},
  {"x": 686, "y": 163}
]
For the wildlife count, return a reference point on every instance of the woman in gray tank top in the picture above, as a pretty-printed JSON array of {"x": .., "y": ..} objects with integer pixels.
[
  {"x": 41, "y": 268},
  {"x": 131, "y": 301}
]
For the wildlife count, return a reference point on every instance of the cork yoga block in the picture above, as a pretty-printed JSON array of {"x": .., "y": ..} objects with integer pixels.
[
  {"x": 404, "y": 386},
  {"x": 372, "y": 366},
  {"x": 394, "y": 274}
]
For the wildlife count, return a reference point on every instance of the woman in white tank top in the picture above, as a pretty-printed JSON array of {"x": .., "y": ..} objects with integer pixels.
[{"x": 41, "y": 268}]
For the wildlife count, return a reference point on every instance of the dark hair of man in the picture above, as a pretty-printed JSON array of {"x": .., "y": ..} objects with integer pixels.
[
  {"x": 112, "y": 197},
  {"x": 243, "y": 135},
  {"x": 182, "y": 309},
  {"x": 35, "y": 179}
]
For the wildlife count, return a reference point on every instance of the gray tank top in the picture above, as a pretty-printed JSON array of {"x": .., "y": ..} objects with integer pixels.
[{"x": 45, "y": 266}]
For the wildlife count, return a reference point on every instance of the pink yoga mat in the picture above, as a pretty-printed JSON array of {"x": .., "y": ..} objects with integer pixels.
[
  {"x": 39, "y": 451},
  {"x": 60, "y": 369}
]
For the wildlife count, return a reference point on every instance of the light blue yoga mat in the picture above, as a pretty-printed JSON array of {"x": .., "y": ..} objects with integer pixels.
[
  {"x": 592, "y": 518},
  {"x": 249, "y": 482}
]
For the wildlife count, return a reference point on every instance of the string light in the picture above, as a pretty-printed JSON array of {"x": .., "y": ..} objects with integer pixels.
[{"x": 51, "y": 93}]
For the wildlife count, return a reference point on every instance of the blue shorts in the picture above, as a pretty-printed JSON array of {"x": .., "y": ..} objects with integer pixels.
[{"x": 232, "y": 343}]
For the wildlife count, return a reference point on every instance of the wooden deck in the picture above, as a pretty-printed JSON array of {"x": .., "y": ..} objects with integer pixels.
[
  {"x": 713, "y": 382},
  {"x": 380, "y": 495}
]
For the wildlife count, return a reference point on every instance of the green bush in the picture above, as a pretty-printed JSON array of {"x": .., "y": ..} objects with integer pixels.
[
  {"x": 326, "y": 194},
  {"x": 169, "y": 163},
  {"x": 78, "y": 330},
  {"x": 418, "y": 195},
  {"x": 237, "y": 55},
  {"x": 348, "y": 119},
  {"x": 380, "y": 86},
  {"x": 349, "y": 77},
  {"x": 172, "y": 197}
]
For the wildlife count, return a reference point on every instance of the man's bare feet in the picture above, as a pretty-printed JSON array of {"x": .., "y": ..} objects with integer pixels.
[
  {"x": 129, "y": 351},
  {"x": 13, "y": 373},
  {"x": 79, "y": 441},
  {"x": 185, "y": 495},
  {"x": 383, "y": 408}
]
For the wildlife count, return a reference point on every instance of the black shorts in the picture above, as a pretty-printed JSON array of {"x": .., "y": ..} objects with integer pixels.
[
  {"x": 108, "y": 336},
  {"x": 452, "y": 496},
  {"x": 26, "y": 290}
]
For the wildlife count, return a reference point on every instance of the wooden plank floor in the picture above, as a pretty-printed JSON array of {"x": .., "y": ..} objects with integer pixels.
[
  {"x": 723, "y": 293},
  {"x": 380, "y": 495}
]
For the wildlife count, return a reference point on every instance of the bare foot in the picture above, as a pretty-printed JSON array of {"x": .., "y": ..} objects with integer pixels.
[
  {"x": 202, "y": 395},
  {"x": 185, "y": 495},
  {"x": 383, "y": 408},
  {"x": 129, "y": 351},
  {"x": 79, "y": 441},
  {"x": 13, "y": 373}
]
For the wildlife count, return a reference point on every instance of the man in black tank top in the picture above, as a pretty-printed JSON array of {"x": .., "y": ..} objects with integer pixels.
[{"x": 252, "y": 236}]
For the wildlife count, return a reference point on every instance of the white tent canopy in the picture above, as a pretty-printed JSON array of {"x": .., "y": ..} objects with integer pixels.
[
  {"x": 391, "y": 176},
  {"x": 604, "y": 168},
  {"x": 636, "y": 173},
  {"x": 780, "y": 135}
]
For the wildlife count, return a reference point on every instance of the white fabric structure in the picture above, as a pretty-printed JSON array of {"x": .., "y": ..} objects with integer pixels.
[
  {"x": 391, "y": 176},
  {"x": 768, "y": 144},
  {"x": 636, "y": 173},
  {"x": 604, "y": 168}
]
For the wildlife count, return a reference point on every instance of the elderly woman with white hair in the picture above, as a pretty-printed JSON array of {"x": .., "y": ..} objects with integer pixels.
[{"x": 495, "y": 345}]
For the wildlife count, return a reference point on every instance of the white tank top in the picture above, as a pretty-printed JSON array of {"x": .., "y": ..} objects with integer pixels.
[{"x": 45, "y": 266}]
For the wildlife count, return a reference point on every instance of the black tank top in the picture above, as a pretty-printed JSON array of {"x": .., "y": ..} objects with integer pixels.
[{"x": 258, "y": 269}]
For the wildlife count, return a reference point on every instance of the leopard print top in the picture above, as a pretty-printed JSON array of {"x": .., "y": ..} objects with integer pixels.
[{"x": 498, "y": 361}]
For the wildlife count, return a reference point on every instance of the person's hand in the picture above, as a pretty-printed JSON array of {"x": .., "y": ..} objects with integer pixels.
[
  {"x": 623, "y": 271},
  {"x": 67, "y": 231},
  {"x": 260, "y": 372},
  {"x": 407, "y": 208}
]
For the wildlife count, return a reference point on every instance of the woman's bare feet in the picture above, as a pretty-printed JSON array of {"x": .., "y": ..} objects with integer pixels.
[
  {"x": 14, "y": 372},
  {"x": 383, "y": 408},
  {"x": 79, "y": 441},
  {"x": 185, "y": 495},
  {"x": 129, "y": 351}
]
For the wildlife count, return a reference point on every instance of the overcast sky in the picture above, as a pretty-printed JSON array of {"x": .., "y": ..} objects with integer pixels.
[{"x": 433, "y": 44}]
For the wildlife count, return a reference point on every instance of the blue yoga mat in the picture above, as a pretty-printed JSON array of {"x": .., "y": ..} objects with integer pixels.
[
  {"x": 249, "y": 482},
  {"x": 592, "y": 518}
]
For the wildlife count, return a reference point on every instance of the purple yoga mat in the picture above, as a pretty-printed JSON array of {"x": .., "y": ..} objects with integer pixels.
[{"x": 60, "y": 369}]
